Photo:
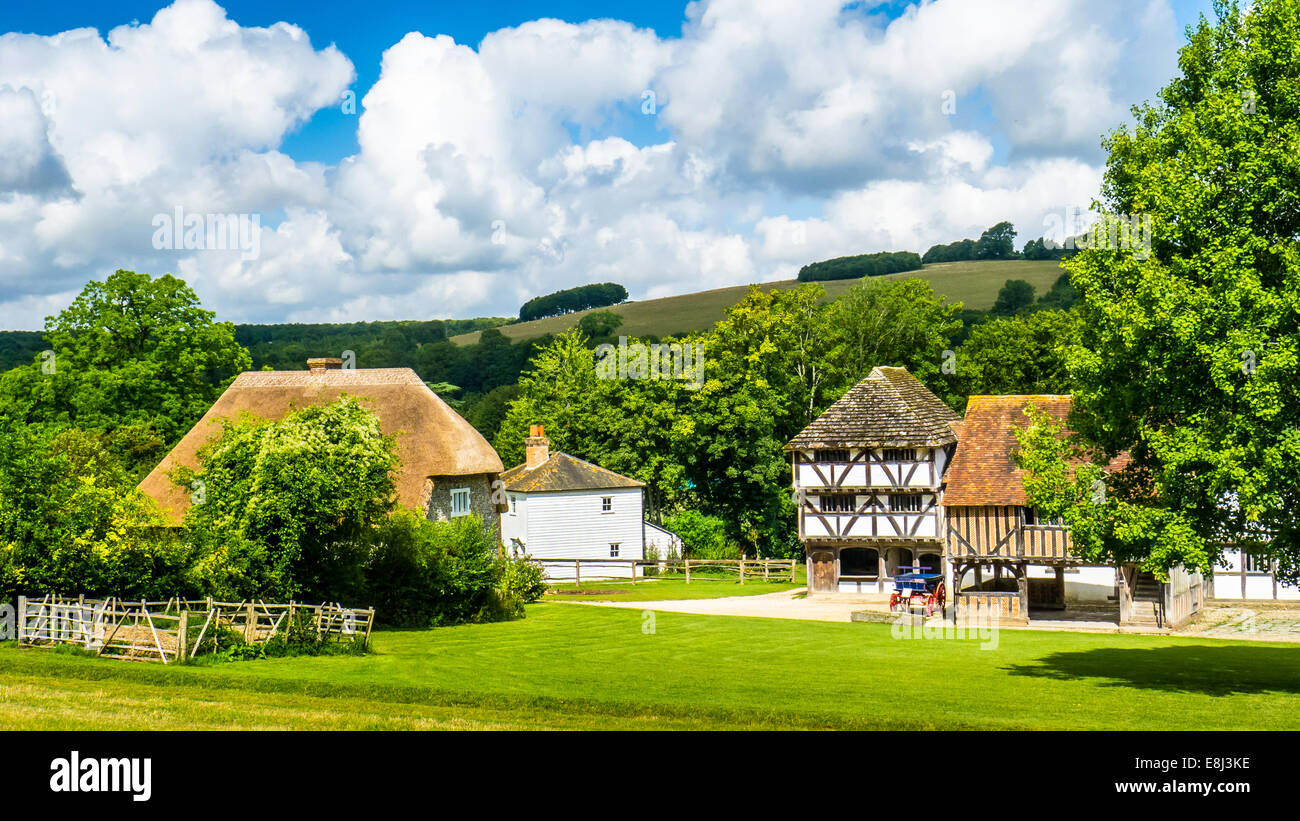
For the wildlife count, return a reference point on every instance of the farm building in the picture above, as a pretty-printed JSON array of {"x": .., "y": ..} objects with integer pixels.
[
  {"x": 561, "y": 507},
  {"x": 890, "y": 477},
  {"x": 1246, "y": 577},
  {"x": 869, "y": 473},
  {"x": 447, "y": 467}
]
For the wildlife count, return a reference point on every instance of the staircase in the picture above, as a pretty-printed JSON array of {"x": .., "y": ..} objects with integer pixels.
[{"x": 1148, "y": 604}]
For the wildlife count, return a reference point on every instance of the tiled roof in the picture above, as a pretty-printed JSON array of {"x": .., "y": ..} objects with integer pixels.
[
  {"x": 564, "y": 472},
  {"x": 890, "y": 408},
  {"x": 982, "y": 471}
]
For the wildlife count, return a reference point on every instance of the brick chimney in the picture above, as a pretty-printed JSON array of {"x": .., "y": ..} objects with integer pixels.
[
  {"x": 537, "y": 446},
  {"x": 324, "y": 363}
]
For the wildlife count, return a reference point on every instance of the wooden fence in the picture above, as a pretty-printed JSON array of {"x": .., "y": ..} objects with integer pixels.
[
  {"x": 598, "y": 569},
  {"x": 176, "y": 629}
]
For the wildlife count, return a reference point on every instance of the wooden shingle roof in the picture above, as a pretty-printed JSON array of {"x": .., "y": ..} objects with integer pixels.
[
  {"x": 982, "y": 471},
  {"x": 560, "y": 472},
  {"x": 890, "y": 408}
]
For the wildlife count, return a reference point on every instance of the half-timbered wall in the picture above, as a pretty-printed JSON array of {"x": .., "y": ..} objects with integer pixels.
[
  {"x": 1000, "y": 532},
  {"x": 873, "y": 516},
  {"x": 864, "y": 494},
  {"x": 868, "y": 468}
]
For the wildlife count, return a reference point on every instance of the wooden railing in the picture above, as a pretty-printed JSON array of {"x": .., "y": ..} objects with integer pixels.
[
  {"x": 766, "y": 569},
  {"x": 162, "y": 630},
  {"x": 987, "y": 606}
]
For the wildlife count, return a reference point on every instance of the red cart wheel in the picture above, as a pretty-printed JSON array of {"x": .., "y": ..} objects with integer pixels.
[{"x": 893, "y": 602}]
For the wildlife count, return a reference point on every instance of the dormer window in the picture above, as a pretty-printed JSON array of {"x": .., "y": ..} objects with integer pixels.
[{"x": 831, "y": 455}]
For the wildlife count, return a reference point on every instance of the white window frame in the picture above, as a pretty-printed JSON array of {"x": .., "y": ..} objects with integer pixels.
[
  {"x": 514, "y": 505},
  {"x": 614, "y": 549},
  {"x": 606, "y": 504},
  {"x": 456, "y": 511}
]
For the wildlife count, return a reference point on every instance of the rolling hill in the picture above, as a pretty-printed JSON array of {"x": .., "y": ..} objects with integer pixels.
[{"x": 975, "y": 284}]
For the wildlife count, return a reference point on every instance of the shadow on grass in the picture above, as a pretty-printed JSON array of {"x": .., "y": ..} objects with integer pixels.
[{"x": 1207, "y": 669}]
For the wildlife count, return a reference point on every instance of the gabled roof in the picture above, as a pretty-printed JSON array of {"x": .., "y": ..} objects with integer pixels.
[
  {"x": 432, "y": 439},
  {"x": 982, "y": 471},
  {"x": 890, "y": 408},
  {"x": 564, "y": 472}
]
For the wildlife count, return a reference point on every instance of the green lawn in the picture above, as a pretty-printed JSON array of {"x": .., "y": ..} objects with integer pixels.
[
  {"x": 975, "y": 284},
  {"x": 595, "y": 667}
]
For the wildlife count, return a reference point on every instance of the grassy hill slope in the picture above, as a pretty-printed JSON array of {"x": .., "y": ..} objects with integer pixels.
[{"x": 974, "y": 284}]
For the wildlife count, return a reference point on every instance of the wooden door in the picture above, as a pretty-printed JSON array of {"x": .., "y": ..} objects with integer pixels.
[{"x": 823, "y": 572}]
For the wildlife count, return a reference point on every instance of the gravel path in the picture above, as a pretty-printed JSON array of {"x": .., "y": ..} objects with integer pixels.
[
  {"x": 782, "y": 605},
  {"x": 1215, "y": 622}
]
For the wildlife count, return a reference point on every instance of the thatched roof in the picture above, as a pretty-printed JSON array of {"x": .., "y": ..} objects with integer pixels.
[
  {"x": 432, "y": 439},
  {"x": 890, "y": 408},
  {"x": 561, "y": 471}
]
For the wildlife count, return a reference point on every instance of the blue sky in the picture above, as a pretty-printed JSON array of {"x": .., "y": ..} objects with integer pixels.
[{"x": 783, "y": 133}]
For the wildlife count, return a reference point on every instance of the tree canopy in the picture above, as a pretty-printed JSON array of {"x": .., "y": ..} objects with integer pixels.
[
  {"x": 862, "y": 265},
  {"x": 573, "y": 299},
  {"x": 1188, "y": 355},
  {"x": 131, "y": 350}
]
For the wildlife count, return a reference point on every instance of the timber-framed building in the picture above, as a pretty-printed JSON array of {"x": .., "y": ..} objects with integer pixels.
[
  {"x": 889, "y": 475},
  {"x": 868, "y": 477}
]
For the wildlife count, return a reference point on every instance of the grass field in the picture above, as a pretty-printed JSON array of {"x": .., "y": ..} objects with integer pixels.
[
  {"x": 974, "y": 284},
  {"x": 592, "y": 667}
]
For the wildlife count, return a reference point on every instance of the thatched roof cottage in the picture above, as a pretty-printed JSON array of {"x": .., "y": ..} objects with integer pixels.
[{"x": 447, "y": 466}]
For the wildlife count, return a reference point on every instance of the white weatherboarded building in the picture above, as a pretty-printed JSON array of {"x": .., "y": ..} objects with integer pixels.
[{"x": 561, "y": 507}]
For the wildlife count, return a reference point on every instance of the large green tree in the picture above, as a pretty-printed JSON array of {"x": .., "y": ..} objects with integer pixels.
[
  {"x": 879, "y": 322},
  {"x": 1016, "y": 355},
  {"x": 131, "y": 350},
  {"x": 282, "y": 508},
  {"x": 1189, "y": 353}
]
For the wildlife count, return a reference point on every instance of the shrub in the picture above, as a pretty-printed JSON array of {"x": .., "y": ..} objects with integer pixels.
[
  {"x": 72, "y": 520},
  {"x": 703, "y": 537},
  {"x": 421, "y": 573},
  {"x": 523, "y": 581}
]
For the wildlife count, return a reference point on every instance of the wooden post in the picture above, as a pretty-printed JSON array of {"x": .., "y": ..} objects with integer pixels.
[
  {"x": 688, "y": 571},
  {"x": 577, "y": 572},
  {"x": 634, "y": 571},
  {"x": 1023, "y": 587},
  {"x": 742, "y": 568},
  {"x": 794, "y": 565},
  {"x": 182, "y": 629},
  {"x": 22, "y": 618},
  {"x": 250, "y": 623}
]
